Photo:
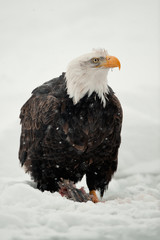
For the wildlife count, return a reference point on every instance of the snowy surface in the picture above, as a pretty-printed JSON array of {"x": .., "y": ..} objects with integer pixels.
[{"x": 38, "y": 39}]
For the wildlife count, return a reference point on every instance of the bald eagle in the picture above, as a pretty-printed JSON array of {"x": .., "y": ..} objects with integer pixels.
[{"x": 71, "y": 127}]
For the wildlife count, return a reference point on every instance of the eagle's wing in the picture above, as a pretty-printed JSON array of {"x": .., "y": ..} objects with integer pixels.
[{"x": 36, "y": 115}]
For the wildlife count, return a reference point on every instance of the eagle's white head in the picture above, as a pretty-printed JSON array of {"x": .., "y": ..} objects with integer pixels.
[{"x": 88, "y": 74}]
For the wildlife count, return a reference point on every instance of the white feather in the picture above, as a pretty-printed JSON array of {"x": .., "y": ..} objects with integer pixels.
[{"x": 83, "y": 79}]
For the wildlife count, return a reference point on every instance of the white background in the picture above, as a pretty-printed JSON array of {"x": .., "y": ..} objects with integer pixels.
[{"x": 37, "y": 40}]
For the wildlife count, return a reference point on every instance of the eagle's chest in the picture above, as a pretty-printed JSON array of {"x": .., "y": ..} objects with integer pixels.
[
  {"x": 86, "y": 124},
  {"x": 92, "y": 118}
]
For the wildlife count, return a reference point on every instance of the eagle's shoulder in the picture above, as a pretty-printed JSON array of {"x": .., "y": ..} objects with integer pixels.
[
  {"x": 42, "y": 106},
  {"x": 55, "y": 87}
]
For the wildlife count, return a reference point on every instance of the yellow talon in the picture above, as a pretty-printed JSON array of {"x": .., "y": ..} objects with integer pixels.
[{"x": 94, "y": 196}]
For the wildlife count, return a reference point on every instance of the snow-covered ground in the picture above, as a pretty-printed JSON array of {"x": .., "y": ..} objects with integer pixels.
[{"x": 38, "y": 39}]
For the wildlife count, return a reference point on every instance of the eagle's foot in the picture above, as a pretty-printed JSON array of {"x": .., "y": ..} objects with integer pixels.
[
  {"x": 94, "y": 197},
  {"x": 68, "y": 189}
]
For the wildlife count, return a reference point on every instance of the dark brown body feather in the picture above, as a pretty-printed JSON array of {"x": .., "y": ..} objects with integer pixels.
[{"x": 60, "y": 140}]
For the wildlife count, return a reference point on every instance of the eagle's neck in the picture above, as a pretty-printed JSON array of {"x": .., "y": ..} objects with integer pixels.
[{"x": 86, "y": 82}]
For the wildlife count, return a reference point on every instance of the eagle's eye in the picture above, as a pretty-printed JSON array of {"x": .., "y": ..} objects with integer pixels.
[{"x": 95, "y": 60}]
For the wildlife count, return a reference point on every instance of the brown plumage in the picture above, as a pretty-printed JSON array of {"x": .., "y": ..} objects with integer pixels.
[{"x": 62, "y": 141}]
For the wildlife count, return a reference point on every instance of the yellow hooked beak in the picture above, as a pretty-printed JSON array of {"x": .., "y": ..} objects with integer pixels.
[{"x": 111, "y": 62}]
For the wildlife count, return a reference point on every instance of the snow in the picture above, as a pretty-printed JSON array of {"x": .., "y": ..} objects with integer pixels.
[{"x": 38, "y": 39}]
